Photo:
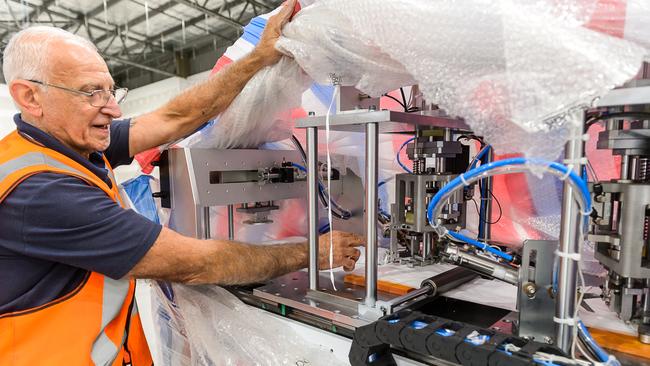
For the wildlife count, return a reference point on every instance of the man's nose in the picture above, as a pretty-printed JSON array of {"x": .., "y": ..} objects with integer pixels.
[{"x": 112, "y": 108}]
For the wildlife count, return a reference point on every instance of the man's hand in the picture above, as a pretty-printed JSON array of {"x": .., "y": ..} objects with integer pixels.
[
  {"x": 345, "y": 252},
  {"x": 266, "y": 47}
]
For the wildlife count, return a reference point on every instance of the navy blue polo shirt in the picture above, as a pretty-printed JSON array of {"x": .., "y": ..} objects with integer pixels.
[{"x": 55, "y": 228}]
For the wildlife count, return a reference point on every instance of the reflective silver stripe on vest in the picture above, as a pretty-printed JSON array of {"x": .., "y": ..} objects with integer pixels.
[
  {"x": 104, "y": 350},
  {"x": 30, "y": 159}
]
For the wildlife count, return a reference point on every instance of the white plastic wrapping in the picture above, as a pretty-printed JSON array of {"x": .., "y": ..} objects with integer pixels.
[
  {"x": 511, "y": 68},
  {"x": 261, "y": 112},
  {"x": 207, "y": 325}
]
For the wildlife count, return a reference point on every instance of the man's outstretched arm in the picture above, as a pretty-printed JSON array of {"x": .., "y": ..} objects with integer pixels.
[
  {"x": 177, "y": 258},
  {"x": 188, "y": 111}
]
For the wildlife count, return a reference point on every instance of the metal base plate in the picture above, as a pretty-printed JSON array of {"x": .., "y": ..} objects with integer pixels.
[{"x": 339, "y": 306}]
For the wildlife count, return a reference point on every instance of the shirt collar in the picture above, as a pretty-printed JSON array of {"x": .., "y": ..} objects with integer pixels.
[{"x": 95, "y": 162}]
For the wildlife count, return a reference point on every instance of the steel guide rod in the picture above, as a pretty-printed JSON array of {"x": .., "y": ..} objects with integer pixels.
[
  {"x": 570, "y": 237},
  {"x": 372, "y": 167},
  {"x": 312, "y": 181},
  {"x": 206, "y": 223},
  {"x": 231, "y": 222}
]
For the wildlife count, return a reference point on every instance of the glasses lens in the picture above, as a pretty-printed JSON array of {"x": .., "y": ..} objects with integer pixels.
[{"x": 99, "y": 98}]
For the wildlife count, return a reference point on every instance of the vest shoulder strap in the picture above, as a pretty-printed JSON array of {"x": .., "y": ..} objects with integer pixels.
[{"x": 21, "y": 157}]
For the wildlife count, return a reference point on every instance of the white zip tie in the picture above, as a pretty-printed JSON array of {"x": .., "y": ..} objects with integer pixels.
[
  {"x": 577, "y": 161},
  {"x": 568, "y": 172},
  {"x": 573, "y": 256},
  {"x": 566, "y": 321},
  {"x": 587, "y": 213},
  {"x": 462, "y": 178}
]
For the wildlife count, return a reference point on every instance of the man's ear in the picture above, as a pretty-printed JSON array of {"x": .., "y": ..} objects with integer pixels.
[{"x": 27, "y": 96}]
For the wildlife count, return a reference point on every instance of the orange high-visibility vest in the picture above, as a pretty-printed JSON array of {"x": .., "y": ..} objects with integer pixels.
[{"x": 95, "y": 324}]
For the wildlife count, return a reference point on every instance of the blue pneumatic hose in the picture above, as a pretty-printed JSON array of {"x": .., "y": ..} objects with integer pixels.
[{"x": 474, "y": 173}]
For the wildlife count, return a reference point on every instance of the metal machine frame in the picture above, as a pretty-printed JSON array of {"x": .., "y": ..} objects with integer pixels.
[{"x": 246, "y": 178}]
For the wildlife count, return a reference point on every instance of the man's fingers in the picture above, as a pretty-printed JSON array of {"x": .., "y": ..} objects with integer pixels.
[
  {"x": 352, "y": 253},
  {"x": 351, "y": 239},
  {"x": 348, "y": 264},
  {"x": 287, "y": 11}
]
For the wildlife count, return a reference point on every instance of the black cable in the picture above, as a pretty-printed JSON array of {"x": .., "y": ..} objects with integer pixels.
[
  {"x": 587, "y": 347},
  {"x": 472, "y": 137},
  {"x": 398, "y": 101},
  {"x": 622, "y": 115},
  {"x": 344, "y": 214},
  {"x": 406, "y": 104},
  {"x": 478, "y": 211},
  {"x": 298, "y": 146},
  {"x": 498, "y": 205}
]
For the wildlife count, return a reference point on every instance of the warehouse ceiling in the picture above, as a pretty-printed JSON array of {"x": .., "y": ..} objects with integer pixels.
[{"x": 142, "y": 41}]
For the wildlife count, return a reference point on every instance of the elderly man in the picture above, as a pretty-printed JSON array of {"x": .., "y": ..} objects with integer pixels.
[{"x": 69, "y": 253}]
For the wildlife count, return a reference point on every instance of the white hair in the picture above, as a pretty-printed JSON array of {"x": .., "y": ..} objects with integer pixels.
[{"x": 28, "y": 52}]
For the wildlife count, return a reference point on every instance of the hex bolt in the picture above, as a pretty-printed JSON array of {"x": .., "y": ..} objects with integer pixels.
[{"x": 529, "y": 289}]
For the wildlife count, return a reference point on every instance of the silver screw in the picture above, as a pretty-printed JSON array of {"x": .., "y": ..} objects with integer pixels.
[{"x": 529, "y": 289}]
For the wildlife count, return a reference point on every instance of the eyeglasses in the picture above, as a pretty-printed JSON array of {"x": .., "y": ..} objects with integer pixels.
[{"x": 97, "y": 98}]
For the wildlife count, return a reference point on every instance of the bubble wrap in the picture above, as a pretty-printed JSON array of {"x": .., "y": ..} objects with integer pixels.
[{"x": 511, "y": 68}]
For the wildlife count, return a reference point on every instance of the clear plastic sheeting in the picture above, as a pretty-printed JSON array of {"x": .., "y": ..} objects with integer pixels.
[
  {"x": 511, "y": 68},
  {"x": 260, "y": 113},
  {"x": 207, "y": 325}
]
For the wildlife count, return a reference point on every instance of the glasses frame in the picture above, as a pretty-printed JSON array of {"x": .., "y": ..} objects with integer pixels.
[{"x": 89, "y": 94}]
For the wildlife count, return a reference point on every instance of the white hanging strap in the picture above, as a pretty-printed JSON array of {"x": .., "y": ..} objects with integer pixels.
[{"x": 329, "y": 181}]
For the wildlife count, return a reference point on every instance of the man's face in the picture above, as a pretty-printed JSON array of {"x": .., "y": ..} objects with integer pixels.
[{"x": 68, "y": 116}]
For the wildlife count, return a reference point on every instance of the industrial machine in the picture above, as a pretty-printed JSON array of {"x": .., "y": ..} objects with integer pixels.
[
  {"x": 620, "y": 225},
  {"x": 423, "y": 326}
]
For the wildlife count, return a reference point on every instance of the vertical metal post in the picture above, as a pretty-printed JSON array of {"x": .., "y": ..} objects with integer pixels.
[
  {"x": 487, "y": 227},
  {"x": 570, "y": 237},
  {"x": 231, "y": 222},
  {"x": 372, "y": 166},
  {"x": 312, "y": 181},
  {"x": 625, "y": 167},
  {"x": 206, "y": 223},
  {"x": 646, "y": 302},
  {"x": 427, "y": 245}
]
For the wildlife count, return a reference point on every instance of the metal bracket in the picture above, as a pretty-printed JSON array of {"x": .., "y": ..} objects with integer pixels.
[{"x": 535, "y": 292}]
